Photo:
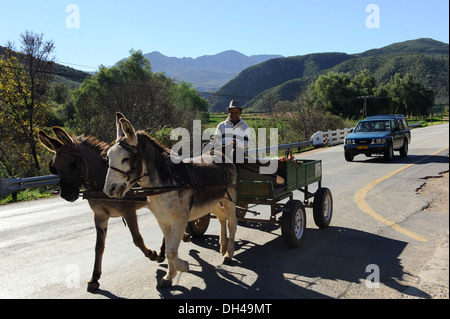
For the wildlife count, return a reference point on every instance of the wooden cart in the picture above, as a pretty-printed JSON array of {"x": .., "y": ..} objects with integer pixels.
[{"x": 273, "y": 190}]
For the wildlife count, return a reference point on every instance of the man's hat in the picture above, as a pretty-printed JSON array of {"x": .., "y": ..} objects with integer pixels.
[{"x": 234, "y": 104}]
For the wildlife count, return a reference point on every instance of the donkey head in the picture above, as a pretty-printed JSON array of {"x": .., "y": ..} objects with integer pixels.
[
  {"x": 122, "y": 157},
  {"x": 67, "y": 162}
]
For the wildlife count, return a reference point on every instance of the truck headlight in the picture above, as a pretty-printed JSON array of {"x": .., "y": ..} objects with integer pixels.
[
  {"x": 380, "y": 140},
  {"x": 349, "y": 141}
]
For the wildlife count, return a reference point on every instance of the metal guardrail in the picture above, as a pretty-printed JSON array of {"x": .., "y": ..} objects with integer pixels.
[
  {"x": 279, "y": 147},
  {"x": 13, "y": 184}
]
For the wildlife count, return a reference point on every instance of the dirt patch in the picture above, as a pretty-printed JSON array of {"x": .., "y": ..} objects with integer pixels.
[
  {"x": 437, "y": 188},
  {"x": 433, "y": 279}
]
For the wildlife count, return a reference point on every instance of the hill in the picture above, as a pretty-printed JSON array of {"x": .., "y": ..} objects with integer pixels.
[
  {"x": 207, "y": 72},
  {"x": 426, "y": 59},
  {"x": 423, "y": 45},
  {"x": 64, "y": 74},
  {"x": 258, "y": 78}
]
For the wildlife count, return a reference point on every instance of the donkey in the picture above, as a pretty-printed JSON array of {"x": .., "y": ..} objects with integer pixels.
[
  {"x": 79, "y": 162},
  {"x": 195, "y": 190}
]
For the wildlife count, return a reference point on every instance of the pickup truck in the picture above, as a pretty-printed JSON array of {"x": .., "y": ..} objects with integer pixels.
[{"x": 380, "y": 134}]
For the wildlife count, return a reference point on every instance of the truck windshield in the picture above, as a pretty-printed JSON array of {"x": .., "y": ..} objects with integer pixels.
[{"x": 372, "y": 126}]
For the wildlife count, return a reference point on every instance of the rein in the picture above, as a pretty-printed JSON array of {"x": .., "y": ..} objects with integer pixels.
[
  {"x": 150, "y": 191},
  {"x": 140, "y": 194}
]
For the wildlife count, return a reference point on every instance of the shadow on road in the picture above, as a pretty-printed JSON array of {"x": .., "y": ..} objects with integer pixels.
[
  {"x": 336, "y": 254},
  {"x": 410, "y": 159}
]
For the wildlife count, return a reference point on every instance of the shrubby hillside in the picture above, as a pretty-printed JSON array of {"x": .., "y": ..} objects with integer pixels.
[{"x": 425, "y": 59}]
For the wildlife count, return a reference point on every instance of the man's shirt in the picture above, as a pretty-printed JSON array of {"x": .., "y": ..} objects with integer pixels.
[{"x": 228, "y": 131}]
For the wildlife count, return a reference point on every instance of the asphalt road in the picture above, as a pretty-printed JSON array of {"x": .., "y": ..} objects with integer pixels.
[{"x": 379, "y": 245}]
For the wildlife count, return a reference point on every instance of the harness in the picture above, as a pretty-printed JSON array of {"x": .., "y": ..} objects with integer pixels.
[
  {"x": 134, "y": 161},
  {"x": 178, "y": 172},
  {"x": 84, "y": 176}
]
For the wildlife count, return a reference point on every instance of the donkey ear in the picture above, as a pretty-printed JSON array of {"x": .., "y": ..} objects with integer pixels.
[
  {"x": 63, "y": 136},
  {"x": 52, "y": 144},
  {"x": 120, "y": 132},
  {"x": 129, "y": 131}
]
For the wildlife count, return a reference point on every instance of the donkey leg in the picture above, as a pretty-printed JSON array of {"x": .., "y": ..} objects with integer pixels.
[
  {"x": 227, "y": 214},
  {"x": 176, "y": 234},
  {"x": 162, "y": 252},
  {"x": 232, "y": 227},
  {"x": 166, "y": 281},
  {"x": 186, "y": 238},
  {"x": 131, "y": 220},
  {"x": 223, "y": 239},
  {"x": 230, "y": 209},
  {"x": 173, "y": 235},
  {"x": 101, "y": 225}
]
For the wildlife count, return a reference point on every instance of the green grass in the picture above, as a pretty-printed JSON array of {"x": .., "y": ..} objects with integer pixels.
[{"x": 28, "y": 194}]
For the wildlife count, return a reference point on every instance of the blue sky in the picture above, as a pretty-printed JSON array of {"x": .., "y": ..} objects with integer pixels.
[{"x": 191, "y": 28}]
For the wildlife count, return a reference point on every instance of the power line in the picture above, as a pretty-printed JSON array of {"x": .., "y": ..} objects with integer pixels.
[
  {"x": 80, "y": 65},
  {"x": 43, "y": 71}
]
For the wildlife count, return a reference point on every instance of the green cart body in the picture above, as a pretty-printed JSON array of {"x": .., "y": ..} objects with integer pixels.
[
  {"x": 273, "y": 189},
  {"x": 291, "y": 175}
]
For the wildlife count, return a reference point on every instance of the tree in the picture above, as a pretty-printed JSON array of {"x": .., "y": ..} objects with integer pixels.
[
  {"x": 338, "y": 93},
  {"x": 408, "y": 96},
  {"x": 24, "y": 80},
  {"x": 186, "y": 104},
  {"x": 150, "y": 100},
  {"x": 59, "y": 92},
  {"x": 13, "y": 96},
  {"x": 380, "y": 104},
  {"x": 308, "y": 113},
  {"x": 364, "y": 83},
  {"x": 276, "y": 110},
  {"x": 344, "y": 96}
]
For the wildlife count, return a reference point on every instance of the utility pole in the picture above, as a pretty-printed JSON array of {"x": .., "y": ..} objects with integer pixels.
[{"x": 364, "y": 97}]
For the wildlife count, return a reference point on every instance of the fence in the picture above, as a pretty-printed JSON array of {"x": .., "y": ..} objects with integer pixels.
[{"x": 330, "y": 137}]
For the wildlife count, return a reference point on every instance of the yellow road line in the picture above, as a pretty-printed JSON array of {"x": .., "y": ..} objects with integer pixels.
[{"x": 360, "y": 199}]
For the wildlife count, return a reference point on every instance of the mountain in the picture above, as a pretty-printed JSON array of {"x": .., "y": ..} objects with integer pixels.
[
  {"x": 426, "y": 59},
  {"x": 207, "y": 72}
]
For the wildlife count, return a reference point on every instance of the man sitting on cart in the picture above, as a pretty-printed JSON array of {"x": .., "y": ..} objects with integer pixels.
[{"x": 234, "y": 133}]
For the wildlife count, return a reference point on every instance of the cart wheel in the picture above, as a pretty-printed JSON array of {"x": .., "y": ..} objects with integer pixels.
[
  {"x": 322, "y": 207},
  {"x": 293, "y": 223},
  {"x": 198, "y": 227}
]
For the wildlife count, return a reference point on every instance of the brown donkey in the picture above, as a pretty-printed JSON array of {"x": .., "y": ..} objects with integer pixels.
[{"x": 79, "y": 162}]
